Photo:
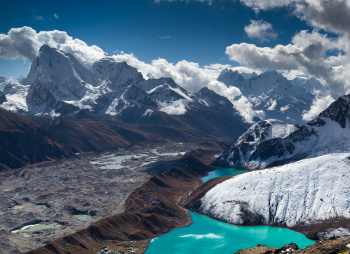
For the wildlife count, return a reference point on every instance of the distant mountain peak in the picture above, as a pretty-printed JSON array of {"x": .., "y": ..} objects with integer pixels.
[
  {"x": 117, "y": 72},
  {"x": 46, "y": 49},
  {"x": 271, "y": 73},
  {"x": 272, "y": 93}
]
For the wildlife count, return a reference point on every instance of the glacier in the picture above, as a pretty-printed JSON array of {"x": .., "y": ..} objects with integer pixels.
[{"x": 306, "y": 191}]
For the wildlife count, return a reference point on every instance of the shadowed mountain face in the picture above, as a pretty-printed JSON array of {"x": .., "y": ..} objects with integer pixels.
[
  {"x": 2, "y": 97},
  {"x": 22, "y": 141},
  {"x": 98, "y": 134}
]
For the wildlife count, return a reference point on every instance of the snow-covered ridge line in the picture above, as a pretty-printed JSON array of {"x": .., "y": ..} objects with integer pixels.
[
  {"x": 309, "y": 191},
  {"x": 259, "y": 147}
]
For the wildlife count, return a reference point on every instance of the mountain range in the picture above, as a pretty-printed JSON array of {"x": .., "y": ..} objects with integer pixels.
[
  {"x": 59, "y": 85},
  {"x": 275, "y": 95}
]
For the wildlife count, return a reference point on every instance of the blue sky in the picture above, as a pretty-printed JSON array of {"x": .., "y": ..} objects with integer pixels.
[{"x": 193, "y": 31}]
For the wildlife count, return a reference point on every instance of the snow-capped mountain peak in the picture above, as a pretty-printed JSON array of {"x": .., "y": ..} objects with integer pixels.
[
  {"x": 272, "y": 93},
  {"x": 338, "y": 111},
  {"x": 312, "y": 85},
  {"x": 231, "y": 78},
  {"x": 53, "y": 65},
  {"x": 265, "y": 130},
  {"x": 307, "y": 192},
  {"x": 330, "y": 132},
  {"x": 116, "y": 72}
]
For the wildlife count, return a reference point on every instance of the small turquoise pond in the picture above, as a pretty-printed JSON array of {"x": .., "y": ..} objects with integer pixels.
[{"x": 206, "y": 235}]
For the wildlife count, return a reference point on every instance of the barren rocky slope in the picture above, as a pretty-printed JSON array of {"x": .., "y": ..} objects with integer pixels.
[
  {"x": 322, "y": 246},
  {"x": 22, "y": 141}
]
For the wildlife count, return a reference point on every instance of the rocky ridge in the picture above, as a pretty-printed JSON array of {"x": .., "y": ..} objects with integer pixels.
[{"x": 328, "y": 133}]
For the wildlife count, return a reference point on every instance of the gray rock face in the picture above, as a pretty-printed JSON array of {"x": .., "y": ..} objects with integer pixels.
[
  {"x": 2, "y": 97},
  {"x": 210, "y": 98}
]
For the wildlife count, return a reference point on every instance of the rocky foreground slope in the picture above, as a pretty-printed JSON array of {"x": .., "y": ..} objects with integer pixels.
[{"x": 323, "y": 246}]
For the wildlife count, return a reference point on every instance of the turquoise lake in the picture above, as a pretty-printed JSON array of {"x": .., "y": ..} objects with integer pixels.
[
  {"x": 207, "y": 236},
  {"x": 221, "y": 172}
]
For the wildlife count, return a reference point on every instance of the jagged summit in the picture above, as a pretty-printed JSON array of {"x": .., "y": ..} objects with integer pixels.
[
  {"x": 265, "y": 130},
  {"x": 231, "y": 78},
  {"x": 338, "y": 111},
  {"x": 53, "y": 65},
  {"x": 116, "y": 72},
  {"x": 329, "y": 132},
  {"x": 210, "y": 98},
  {"x": 150, "y": 84}
]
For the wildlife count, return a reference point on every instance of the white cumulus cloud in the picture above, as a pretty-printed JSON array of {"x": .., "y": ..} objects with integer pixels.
[
  {"x": 317, "y": 107},
  {"x": 261, "y": 30},
  {"x": 267, "y": 4},
  {"x": 25, "y": 43},
  {"x": 307, "y": 53}
]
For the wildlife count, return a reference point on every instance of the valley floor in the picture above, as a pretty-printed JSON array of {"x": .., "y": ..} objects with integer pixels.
[{"x": 71, "y": 194}]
